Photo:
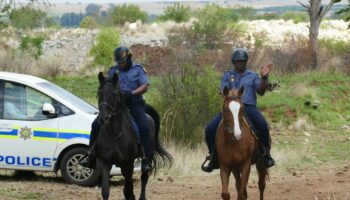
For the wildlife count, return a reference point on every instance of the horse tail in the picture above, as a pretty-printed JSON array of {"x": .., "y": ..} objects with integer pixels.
[{"x": 161, "y": 157}]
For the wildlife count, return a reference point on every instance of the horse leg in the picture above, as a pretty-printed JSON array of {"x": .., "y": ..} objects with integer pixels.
[
  {"x": 144, "y": 180},
  {"x": 242, "y": 195},
  {"x": 128, "y": 190},
  {"x": 106, "y": 170},
  {"x": 225, "y": 178},
  {"x": 262, "y": 171},
  {"x": 237, "y": 175}
]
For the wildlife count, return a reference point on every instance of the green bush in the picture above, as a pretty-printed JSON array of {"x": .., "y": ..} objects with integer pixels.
[
  {"x": 32, "y": 46},
  {"x": 209, "y": 31},
  {"x": 335, "y": 47},
  {"x": 189, "y": 99},
  {"x": 297, "y": 17},
  {"x": 345, "y": 13},
  {"x": 177, "y": 12},
  {"x": 102, "y": 50},
  {"x": 27, "y": 17},
  {"x": 88, "y": 23},
  {"x": 127, "y": 13}
]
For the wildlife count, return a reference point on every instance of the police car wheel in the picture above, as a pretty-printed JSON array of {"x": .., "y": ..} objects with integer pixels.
[{"x": 73, "y": 172}]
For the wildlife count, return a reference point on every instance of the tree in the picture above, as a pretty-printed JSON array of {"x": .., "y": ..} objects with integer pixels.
[
  {"x": 88, "y": 22},
  {"x": 127, "y": 13},
  {"x": 102, "y": 50},
  {"x": 345, "y": 13},
  {"x": 28, "y": 17},
  {"x": 7, "y": 5},
  {"x": 92, "y": 9},
  {"x": 177, "y": 13},
  {"x": 316, "y": 11},
  {"x": 71, "y": 19}
]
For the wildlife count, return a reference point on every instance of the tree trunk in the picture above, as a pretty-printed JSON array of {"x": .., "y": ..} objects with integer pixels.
[
  {"x": 316, "y": 13},
  {"x": 315, "y": 21}
]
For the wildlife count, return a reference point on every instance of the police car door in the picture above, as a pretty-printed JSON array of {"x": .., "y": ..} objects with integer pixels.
[{"x": 28, "y": 138}]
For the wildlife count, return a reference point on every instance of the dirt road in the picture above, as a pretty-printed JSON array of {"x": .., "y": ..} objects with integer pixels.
[{"x": 324, "y": 184}]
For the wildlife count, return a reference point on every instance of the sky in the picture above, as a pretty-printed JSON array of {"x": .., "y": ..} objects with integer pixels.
[{"x": 132, "y": 1}]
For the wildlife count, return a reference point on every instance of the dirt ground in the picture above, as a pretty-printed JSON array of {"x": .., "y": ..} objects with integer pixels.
[{"x": 327, "y": 184}]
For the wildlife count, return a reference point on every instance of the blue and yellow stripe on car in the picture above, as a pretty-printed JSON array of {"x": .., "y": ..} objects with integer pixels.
[{"x": 44, "y": 134}]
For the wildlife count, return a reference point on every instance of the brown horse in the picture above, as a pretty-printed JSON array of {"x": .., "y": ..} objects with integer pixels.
[{"x": 237, "y": 148}]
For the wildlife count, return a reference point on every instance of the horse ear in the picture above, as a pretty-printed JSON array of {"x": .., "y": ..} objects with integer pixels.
[
  {"x": 115, "y": 78},
  {"x": 226, "y": 91},
  {"x": 240, "y": 91},
  {"x": 101, "y": 78}
]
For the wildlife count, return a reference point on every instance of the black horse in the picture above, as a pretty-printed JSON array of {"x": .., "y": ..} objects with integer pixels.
[{"x": 117, "y": 144}]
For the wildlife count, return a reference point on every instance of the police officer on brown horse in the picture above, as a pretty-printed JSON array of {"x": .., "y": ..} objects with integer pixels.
[{"x": 253, "y": 84}]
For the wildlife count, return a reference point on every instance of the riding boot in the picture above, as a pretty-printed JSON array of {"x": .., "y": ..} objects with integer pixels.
[
  {"x": 213, "y": 163},
  {"x": 268, "y": 160},
  {"x": 89, "y": 161}
]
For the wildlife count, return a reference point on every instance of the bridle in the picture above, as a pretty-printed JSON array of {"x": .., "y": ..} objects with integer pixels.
[{"x": 115, "y": 111}]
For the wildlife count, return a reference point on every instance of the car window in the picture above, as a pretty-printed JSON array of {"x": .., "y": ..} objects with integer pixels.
[
  {"x": 14, "y": 102},
  {"x": 35, "y": 102},
  {"x": 24, "y": 103},
  {"x": 71, "y": 98}
]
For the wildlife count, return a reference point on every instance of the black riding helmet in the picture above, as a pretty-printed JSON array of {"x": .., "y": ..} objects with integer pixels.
[
  {"x": 239, "y": 55},
  {"x": 122, "y": 54}
]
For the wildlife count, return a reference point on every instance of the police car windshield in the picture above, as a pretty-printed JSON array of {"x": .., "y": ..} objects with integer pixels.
[{"x": 71, "y": 98}]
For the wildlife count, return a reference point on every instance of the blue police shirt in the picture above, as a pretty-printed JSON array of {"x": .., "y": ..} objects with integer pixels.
[
  {"x": 249, "y": 79},
  {"x": 131, "y": 78}
]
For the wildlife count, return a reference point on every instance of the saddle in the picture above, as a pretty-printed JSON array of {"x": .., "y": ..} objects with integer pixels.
[{"x": 254, "y": 130}]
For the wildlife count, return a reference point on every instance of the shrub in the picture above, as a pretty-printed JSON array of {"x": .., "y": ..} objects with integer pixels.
[
  {"x": 189, "y": 100},
  {"x": 32, "y": 46},
  {"x": 177, "y": 12},
  {"x": 102, "y": 50},
  {"x": 27, "y": 17},
  {"x": 88, "y": 23},
  {"x": 127, "y": 13},
  {"x": 210, "y": 29},
  {"x": 297, "y": 17},
  {"x": 14, "y": 61},
  {"x": 345, "y": 13},
  {"x": 335, "y": 47}
]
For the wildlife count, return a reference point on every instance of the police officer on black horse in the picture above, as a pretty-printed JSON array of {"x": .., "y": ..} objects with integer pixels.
[{"x": 133, "y": 82}]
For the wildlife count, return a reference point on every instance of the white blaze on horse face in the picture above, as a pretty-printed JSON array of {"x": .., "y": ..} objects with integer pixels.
[{"x": 235, "y": 107}]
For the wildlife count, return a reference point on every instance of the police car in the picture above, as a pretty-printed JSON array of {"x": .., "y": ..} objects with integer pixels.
[{"x": 45, "y": 128}]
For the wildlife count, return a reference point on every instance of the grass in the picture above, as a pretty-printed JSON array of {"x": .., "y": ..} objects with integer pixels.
[
  {"x": 15, "y": 194},
  {"x": 330, "y": 90}
]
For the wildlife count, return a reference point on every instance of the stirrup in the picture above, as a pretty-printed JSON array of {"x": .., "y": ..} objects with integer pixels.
[{"x": 207, "y": 158}]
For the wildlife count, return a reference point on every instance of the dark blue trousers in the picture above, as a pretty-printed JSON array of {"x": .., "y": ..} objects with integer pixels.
[
  {"x": 254, "y": 116},
  {"x": 139, "y": 114}
]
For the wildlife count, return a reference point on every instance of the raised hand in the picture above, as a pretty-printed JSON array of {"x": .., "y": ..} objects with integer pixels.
[{"x": 265, "y": 70}]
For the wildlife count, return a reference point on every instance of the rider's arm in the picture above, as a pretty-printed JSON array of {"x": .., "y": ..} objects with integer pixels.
[
  {"x": 143, "y": 82},
  {"x": 140, "y": 90},
  {"x": 262, "y": 86}
]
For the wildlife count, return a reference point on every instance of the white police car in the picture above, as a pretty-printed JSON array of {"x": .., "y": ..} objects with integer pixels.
[{"x": 44, "y": 128}]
